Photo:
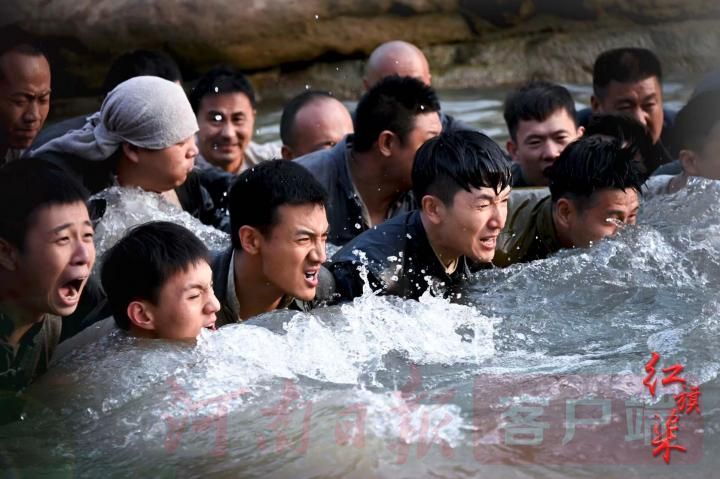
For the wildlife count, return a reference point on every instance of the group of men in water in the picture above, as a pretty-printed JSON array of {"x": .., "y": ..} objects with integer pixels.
[{"x": 415, "y": 200}]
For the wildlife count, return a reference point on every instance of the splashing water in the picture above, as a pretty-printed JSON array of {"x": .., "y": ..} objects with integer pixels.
[{"x": 385, "y": 387}]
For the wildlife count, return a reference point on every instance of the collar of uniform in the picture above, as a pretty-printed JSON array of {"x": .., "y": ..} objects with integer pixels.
[
  {"x": 547, "y": 234},
  {"x": 232, "y": 300},
  {"x": 425, "y": 250}
]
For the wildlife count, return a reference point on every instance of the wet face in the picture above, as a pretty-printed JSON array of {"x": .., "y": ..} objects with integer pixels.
[
  {"x": 226, "y": 127},
  {"x": 294, "y": 249},
  {"x": 57, "y": 258},
  {"x": 186, "y": 304},
  {"x": 319, "y": 125},
  {"x": 608, "y": 210},
  {"x": 643, "y": 100},
  {"x": 706, "y": 161},
  {"x": 399, "y": 167},
  {"x": 166, "y": 169},
  {"x": 24, "y": 97},
  {"x": 471, "y": 225},
  {"x": 539, "y": 143}
]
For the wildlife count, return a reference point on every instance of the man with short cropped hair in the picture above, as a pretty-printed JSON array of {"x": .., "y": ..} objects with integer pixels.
[
  {"x": 278, "y": 243},
  {"x": 159, "y": 282},
  {"x": 24, "y": 98},
  {"x": 540, "y": 117},
  {"x": 368, "y": 174},
  {"x": 629, "y": 81},
  {"x": 224, "y": 101},
  {"x": 46, "y": 255},
  {"x": 311, "y": 121},
  {"x": 462, "y": 182},
  {"x": 594, "y": 188}
]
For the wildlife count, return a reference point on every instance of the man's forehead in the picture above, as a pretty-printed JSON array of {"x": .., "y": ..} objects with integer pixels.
[
  {"x": 304, "y": 216},
  {"x": 630, "y": 90},
  {"x": 487, "y": 192},
  {"x": 609, "y": 198},
  {"x": 226, "y": 102},
  {"x": 559, "y": 120}
]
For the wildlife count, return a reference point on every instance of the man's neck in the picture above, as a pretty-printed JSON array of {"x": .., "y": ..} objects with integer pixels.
[
  {"x": 376, "y": 193},
  {"x": 254, "y": 292},
  {"x": 445, "y": 254},
  {"x": 127, "y": 176}
]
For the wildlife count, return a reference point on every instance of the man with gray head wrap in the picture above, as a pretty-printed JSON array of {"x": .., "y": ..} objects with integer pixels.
[{"x": 142, "y": 136}]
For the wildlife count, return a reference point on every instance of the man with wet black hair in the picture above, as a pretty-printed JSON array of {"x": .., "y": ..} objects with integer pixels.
[
  {"x": 224, "y": 101},
  {"x": 628, "y": 131},
  {"x": 629, "y": 81},
  {"x": 159, "y": 282},
  {"x": 278, "y": 243},
  {"x": 462, "y": 182},
  {"x": 540, "y": 117},
  {"x": 594, "y": 189},
  {"x": 24, "y": 96},
  {"x": 46, "y": 255},
  {"x": 313, "y": 120},
  {"x": 368, "y": 174},
  {"x": 696, "y": 139},
  {"x": 128, "y": 65}
]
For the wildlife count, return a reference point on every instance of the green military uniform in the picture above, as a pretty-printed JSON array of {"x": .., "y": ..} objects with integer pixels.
[
  {"x": 529, "y": 232},
  {"x": 20, "y": 364}
]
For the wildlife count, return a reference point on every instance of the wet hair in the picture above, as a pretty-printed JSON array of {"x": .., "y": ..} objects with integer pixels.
[
  {"x": 624, "y": 65},
  {"x": 458, "y": 159},
  {"x": 695, "y": 121},
  {"x": 392, "y": 104},
  {"x": 27, "y": 185},
  {"x": 626, "y": 129},
  {"x": 536, "y": 101},
  {"x": 291, "y": 109},
  {"x": 220, "y": 80},
  {"x": 139, "y": 63},
  {"x": 258, "y": 192},
  {"x": 141, "y": 263},
  {"x": 593, "y": 164}
]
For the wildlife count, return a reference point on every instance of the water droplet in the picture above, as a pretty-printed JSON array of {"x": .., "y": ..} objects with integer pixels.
[
  {"x": 357, "y": 226},
  {"x": 422, "y": 107},
  {"x": 217, "y": 89},
  {"x": 307, "y": 87},
  {"x": 317, "y": 17}
]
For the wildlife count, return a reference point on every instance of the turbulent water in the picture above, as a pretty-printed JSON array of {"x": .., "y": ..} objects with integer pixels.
[
  {"x": 533, "y": 371},
  {"x": 385, "y": 387}
]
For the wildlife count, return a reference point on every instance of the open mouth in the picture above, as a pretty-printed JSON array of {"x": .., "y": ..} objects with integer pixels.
[
  {"x": 489, "y": 242},
  {"x": 311, "y": 277},
  {"x": 70, "y": 291}
]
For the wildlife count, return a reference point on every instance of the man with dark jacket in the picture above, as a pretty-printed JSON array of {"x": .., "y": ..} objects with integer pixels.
[
  {"x": 461, "y": 180},
  {"x": 279, "y": 233}
]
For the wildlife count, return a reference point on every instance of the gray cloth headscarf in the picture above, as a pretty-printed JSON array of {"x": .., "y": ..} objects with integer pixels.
[{"x": 148, "y": 112}]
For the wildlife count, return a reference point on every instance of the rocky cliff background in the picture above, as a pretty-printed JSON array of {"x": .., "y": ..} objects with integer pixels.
[{"x": 287, "y": 44}]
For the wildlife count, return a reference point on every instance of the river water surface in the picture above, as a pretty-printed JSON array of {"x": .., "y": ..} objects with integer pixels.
[{"x": 534, "y": 371}]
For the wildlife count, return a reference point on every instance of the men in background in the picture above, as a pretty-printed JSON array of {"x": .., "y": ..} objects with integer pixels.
[
  {"x": 24, "y": 98},
  {"x": 368, "y": 174},
  {"x": 594, "y": 189},
  {"x": 128, "y": 65},
  {"x": 696, "y": 136},
  {"x": 403, "y": 59},
  {"x": 159, "y": 282},
  {"x": 462, "y": 182},
  {"x": 224, "y": 102},
  {"x": 279, "y": 230},
  {"x": 311, "y": 121},
  {"x": 46, "y": 255},
  {"x": 540, "y": 117},
  {"x": 629, "y": 80}
]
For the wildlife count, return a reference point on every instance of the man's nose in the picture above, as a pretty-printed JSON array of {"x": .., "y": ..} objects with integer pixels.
[
  {"x": 32, "y": 112},
  {"x": 83, "y": 253},
  {"x": 213, "y": 305}
]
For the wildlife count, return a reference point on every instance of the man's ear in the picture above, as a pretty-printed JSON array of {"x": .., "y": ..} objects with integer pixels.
[
  {"x": 433, "y": 209},
  {"x": 286, "y": 152},
  {"x": 250, "y": 239},
  {"x": 511, "y": 148},
  {"x": 580, "y": 131},
  {"x": 8, "y": 255},
  {"x": 565, "y": 212},
  {"x": 688, "y": 161},
  {"x": 141, "y": 315},
  {"x": 130, "y": 152},
  {"x": 386, "y": 142}
]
